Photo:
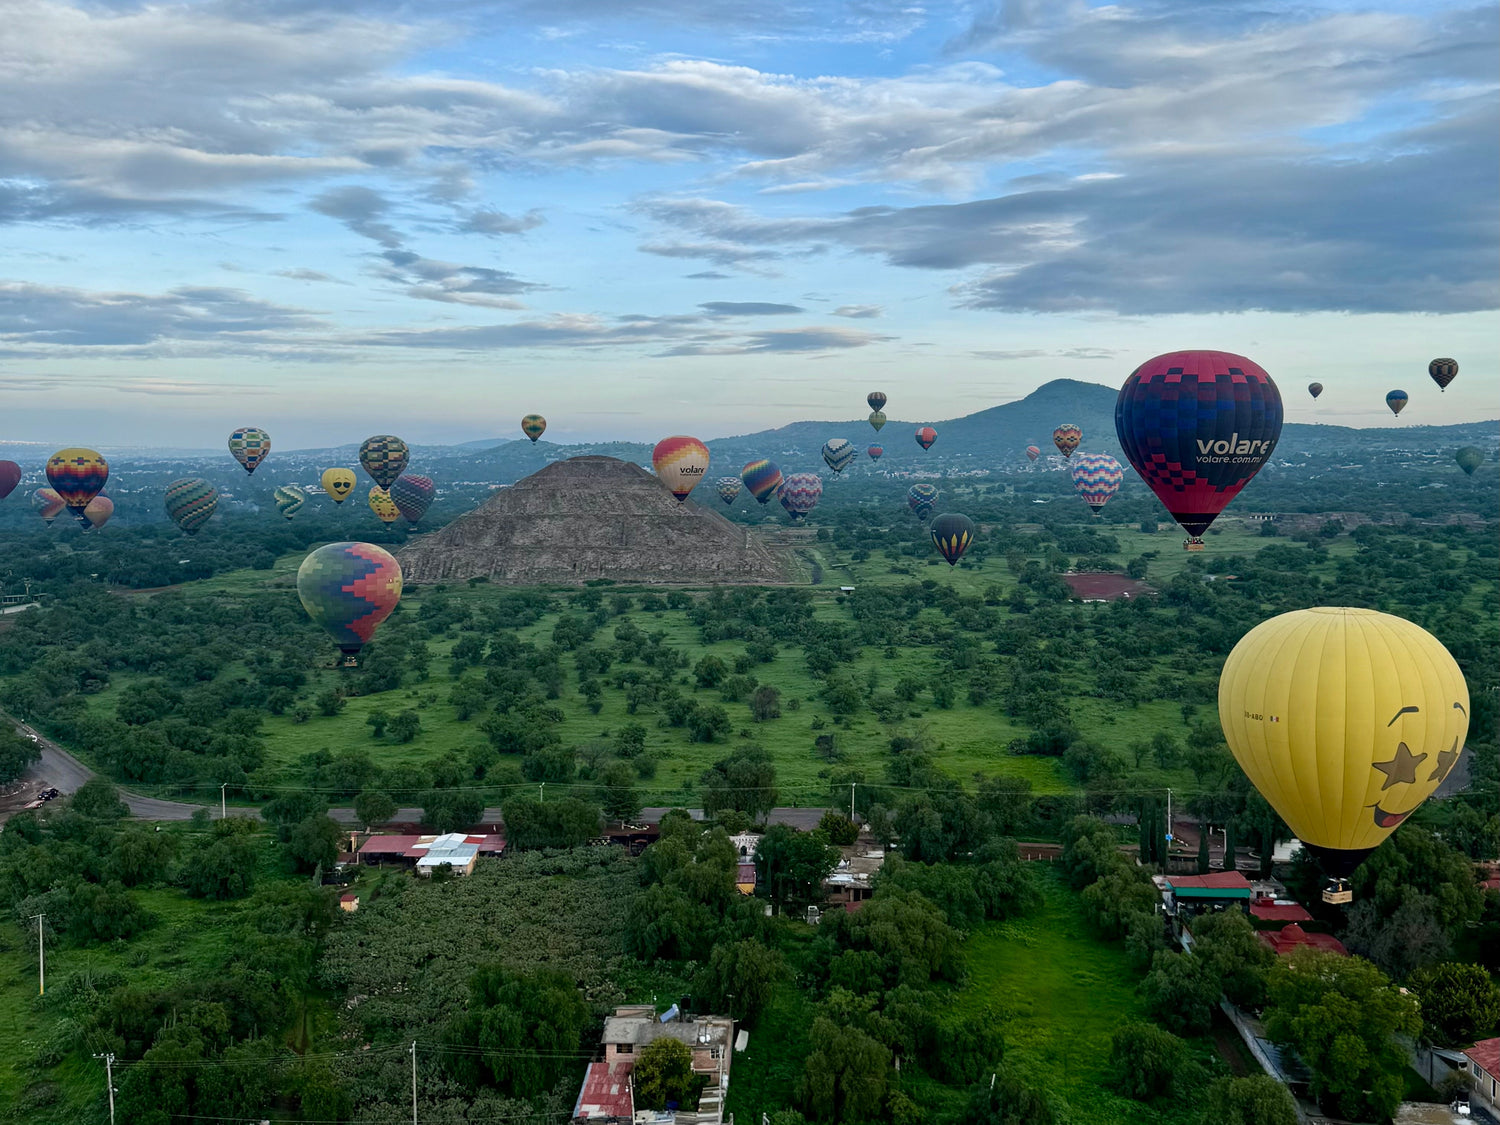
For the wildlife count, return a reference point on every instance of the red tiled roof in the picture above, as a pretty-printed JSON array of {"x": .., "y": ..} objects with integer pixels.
[
  {"x": 387, "y": 845},
  {"x": 1486, "y": 1055},
  {"x": 1275, "y": 912},
  {"x": 348, "y": 898},
  {"x": 606, "y": 1091},
  {"x": 1294, "y": 936},
  {"x": 1218, "y": 880}
]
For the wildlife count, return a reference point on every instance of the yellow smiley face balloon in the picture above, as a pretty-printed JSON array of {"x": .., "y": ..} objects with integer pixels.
[
  {"x": 338, "y": 483},
  {"x": 1346, "y": 720}
]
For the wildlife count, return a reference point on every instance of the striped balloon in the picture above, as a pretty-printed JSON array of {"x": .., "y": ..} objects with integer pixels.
[
  {"x": 762, "y": 478},
  {"x": 1066, "y": 437},
  {"x": 191, "y": 502},
  {"x": 77, "y": 476},
  {"x": 384, "y": 457},
  {"x": 838, "y": 452},
  {"x": 1396, "y": 400},
  {"x": 1097, "y": 477},
  {"x": 876, "y": 452},
  {"x": 729, "y": 489},
  {"x": 876, "y": 399},
  {"x": 289, "y": 499},
  {"x": 1032, "y": 453},
  {"x": 533, "y": 426},
  {"x": 799, "y": 494},
  {"x": 250, "y": 446},
  {"x": 680, "y": 463},
  {"x": 952, "y": 533},
  {"x": 412, "y": 495},
  {"x": 922, "y": 499},
  {"x": 877, "y": 420}
]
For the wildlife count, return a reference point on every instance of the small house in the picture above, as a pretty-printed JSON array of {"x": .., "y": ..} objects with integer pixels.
[{"x": 1484, "y": 1066}]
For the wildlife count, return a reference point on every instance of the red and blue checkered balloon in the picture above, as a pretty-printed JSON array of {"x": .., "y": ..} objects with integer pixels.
[
  {"x": 349, "y": 589},
  {"x": 1197, "y": 426}
]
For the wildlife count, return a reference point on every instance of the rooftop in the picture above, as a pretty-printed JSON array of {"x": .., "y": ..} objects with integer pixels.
[
  {"x": 606, "y": 1092},
  {"x": 1217, "y": 884},
  {"x": 1279, "y": 912},
  {"x": 419, "y": 847},
  {"x": 1486, "y": 1055},
  {"x": 1288, "y": 938},
  {"x": 640, "y": 1030}
]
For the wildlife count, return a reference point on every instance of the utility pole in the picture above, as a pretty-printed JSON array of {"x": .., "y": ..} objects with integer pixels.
[
  {"x": 41, "y": 954},
  {"x": 851, "y": 800},
  {"x": 413, "y": 1082},
  {"x": 1166, "y": 861},
  {"x": 109, "y": 1082},
  {"x": 223, "y": 806},
  {"x": 542, "y": 791}
]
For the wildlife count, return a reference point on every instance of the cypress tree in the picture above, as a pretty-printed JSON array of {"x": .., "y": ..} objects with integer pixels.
[
  {"x": 1202, "y": 849},
  {"x": 1230, "y": 846}
]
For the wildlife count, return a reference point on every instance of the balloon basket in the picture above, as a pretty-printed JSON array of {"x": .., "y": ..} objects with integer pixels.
[
  {"x": 1336, "y": 892},
  {"x": 350, "y": 662},
  {"x": 1192, "y": 543}
]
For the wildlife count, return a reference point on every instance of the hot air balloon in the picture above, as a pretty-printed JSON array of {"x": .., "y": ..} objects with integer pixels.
[
  {"x": 729, "y": 489},
  {"x": 1033, "y": 452},
  {"x": 338, "y": 483},
  {"x": 1443, "y": 372},
  {"x": 799, "y": 494},
  {"x": 876, "y": 452},
  {"x": 762, "y": 478},
  {"x": 922, "y": 499},
  {"x": 1396, "y": 400},
  {"x": 383, "y": 506},
  {"x": 926, "y": 435},
  {"x": 97, "y": 511},
  {"x": 412, "y": 495},
  {"x": 1066, "y": 437},
  {"x": 349, "y": 589},
  {"x": 680, "y": 462},
  {"x": 952, "y": 533},
  {"x": 837, "y": 453},
  {"x": 77, "y": 476},
  {"x": 250, "y": 446},
  {"x": 1315, "y": 389},
  {"x": 533, "y": 426},
  {"x": 1346, "y": 720},
  {"x": 1469, "y": 459},
  {"x": 190, "y": 503},
  {"x": 876, "y": 399},
  {"x": 1197, "y": 426},
  {"x": 877, "y": 420},
  {"x": 289, "y": 499},
  {"x": 48, "y": 503},
  {"x": 384, "y": 457},
  {"x": 1097, "y": 477},
  {"x": 10, "y": 476}
]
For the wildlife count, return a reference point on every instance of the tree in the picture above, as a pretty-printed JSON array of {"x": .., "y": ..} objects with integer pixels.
[
  {"x": 1460, "y": 1003},
  {"x": 1146, "y": 1060},
  {"x": 330, "y": 702},
  {"x": 745, "y": 780},
  {"x": 222, "y": 866},
  {"x": 840, "y": 830},
  {"x": 140, "y": 856},
  {"x": 740, "y": 979},
  {"x": 1256, "y": 1100},
  {"x": 1235, "y": 957},
  {"x": 710, "y": 672},
  {"x": 314, "y": 842},
  {"x": 1409, "y": 938},
  {"x": 706, "y": 722},
  {"x": 1008, "y": 1100},
  {"x": 554, "y": 824},
  {"x": 621, "y": 801},
  {"x": 520, "y": 1031},
  {"x": 373, "y": 806},
  {"x": 663, "y": 1074},
  {"x": 377, "y": 720},
  {"x": 1180, "y": 992},
  {"x": 405, "y": 725},
  {"x": 792, "y": 865},
  {"x": 765, "y": 703},
  {"x": 17, "y": 754},
  {"x": 451, "y": 810},
  {"x": 845, "y": 1076},
  {"x": 1116, "y": 898},
  {"x": 1342, "y": 1016},
  {"x": 97, "y": 798}
]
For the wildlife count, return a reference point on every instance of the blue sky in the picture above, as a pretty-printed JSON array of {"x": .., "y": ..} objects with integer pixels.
[{"x": 712, "y": 217}]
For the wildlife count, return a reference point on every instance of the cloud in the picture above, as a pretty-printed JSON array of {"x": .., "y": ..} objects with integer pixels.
[
  {"x": 362, "y": 210},
  {"x": 498, "y": 222},
  {"x": 748, "y": 308},
  {"x": 708, "y": 275},
  {"x": 310, "y": 275},
  {"x": 859, "y": 312},
  {"x": 783, "y": 340}
]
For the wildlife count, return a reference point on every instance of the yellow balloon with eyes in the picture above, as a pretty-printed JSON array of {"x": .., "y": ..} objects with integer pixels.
[
  {"x": 338, "y": 483},
  {"x": 1346, "y": 720}
]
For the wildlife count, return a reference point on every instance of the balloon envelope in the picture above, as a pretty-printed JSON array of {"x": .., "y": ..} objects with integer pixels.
[
  {"x": 191, "y": 502},
  {"x": 383, "y": 506},
  {"x": 349, "y": 589},
  {"x": 876, "y": 399},
  {"x": 412, "y": 495},
  {"x": 876, "y": 452},
  {"x": 926, "y": 435},
  {"x": 762, "y": 478},
  {"x": 922, "y": 499},
  {"x": 10, "y": 476},
  {"x": 1396, "y": 400},
  {"x": 250, "y": 446},
  {"x": 1032, "y": 452},
  {"x": 1315, "y": 389},
  {"x": 533, "y": 426},
  {"x": 837, "y": 453},
  {"x": 877, "y": 420},
  {"x": 1469, "y": 459},
  {"x": 729, "y": 489},
  {"x": 77, "y": 476},
  {"x": 952, "y": 533},
  {"x": 1443, "y": 372},
  {"x": 1197, "y": 426},
  {"x": 1066, "y": 437},
  {"x": 1346, "y": 720},
  {"x": 97, "y": 511},
  {"x": 338, "y": 483},
  {"x": 680, "y": 462},
  {"x": 48, "y": 503},
  {"x": 384, "y": 457},
  {"x": 289, "y": 499},
  {"x": 1097, "y": 477},
  {"x": 799, "y": 493}
]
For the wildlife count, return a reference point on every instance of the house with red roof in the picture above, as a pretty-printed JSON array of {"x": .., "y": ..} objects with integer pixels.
[
  {"x": 1293, "y": 937},
  {"x": 1484, "y": 1066}
]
